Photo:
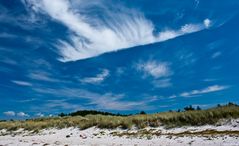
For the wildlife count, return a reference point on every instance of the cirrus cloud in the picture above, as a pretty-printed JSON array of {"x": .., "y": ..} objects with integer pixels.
[
  {"x": 22, "y": 83},
  {"x": 118, "y": 28},
  {"x": 97, "y": 79},
  {"x": 209, "y": 89}
]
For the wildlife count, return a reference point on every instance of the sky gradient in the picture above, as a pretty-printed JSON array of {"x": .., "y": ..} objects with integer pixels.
[{"x": 116, "y": 55}]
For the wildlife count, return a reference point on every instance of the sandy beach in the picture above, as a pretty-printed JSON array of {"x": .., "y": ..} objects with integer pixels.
[{"x": 208, "y": 135}]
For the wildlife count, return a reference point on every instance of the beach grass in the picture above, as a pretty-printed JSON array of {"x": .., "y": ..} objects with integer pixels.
[{"x": 140, "y": 121}]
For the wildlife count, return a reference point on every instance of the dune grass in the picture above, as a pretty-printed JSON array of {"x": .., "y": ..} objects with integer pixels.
[
  {"x": 168, "y": 119},
  {"x": 149, "y": 133}
]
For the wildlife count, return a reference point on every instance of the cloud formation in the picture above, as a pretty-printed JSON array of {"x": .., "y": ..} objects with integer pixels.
[
  {"x": 9, "y": 113},
  {"x": 155, "y": 69},
  {"x": 216, "y": 54},
  {"x": 12, "y": 113},
  {"x": 22, "y": 114},
  {"x": 40, "y": 115},
  {"x": 162, "y": 83},
  {"x": 209, "y": 89},
  {"x": 97, "y": 79},
  {"x": 42, "y": 76},
  {"x": 108, "y": 100},
  {"x": 207, "y": 23},
  {"x": 22, "y": 83},
  {"x": 116, "y": 29}
]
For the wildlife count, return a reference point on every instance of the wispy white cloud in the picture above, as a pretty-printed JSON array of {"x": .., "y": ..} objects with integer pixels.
[
  {"x": 110, "y": 101},
  {"x": 216, "y": 54},
  {"x": 107, "y": 101},
  {"x": 61, "y": 104},
  {"x": 172, "y": 96},
  {"x": 12, "y": 113},
  {"x": 120, "y": 71},
  {"x": 7, "y": 35},
  {"x": 117, "y": 29},
  {"x": 155, "y": 69},
  {"x": 202, "y": 105},
  {"x": 209, "y": 89},
  {"x": 162, "y": 83},
  {"x": 97, "y": 79},
  {"x": 40, "y": 115},
  {"x": 43, "y": 76},
  {"x": 22, "y": 83},
  {"x": 210, "y": 80},
  {"x": 27, "y": 100},
  {"x": 65, "y": 92},
  {"x": 22, "y": 114},
  {"x": 9, "y": 61},
  {"x": 9, "y": 113}
]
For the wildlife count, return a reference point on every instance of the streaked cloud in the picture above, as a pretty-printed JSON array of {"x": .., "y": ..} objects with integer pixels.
[
  {"x": 97, "y": 79},
  {"x": 9, "y": 113},
  {"x": 43, "y": 76},
  {"x": 109, "y": 101},
  {"x": 210, "y": 80},
  {"x": 172, "y": 96},
  {"x": 209, "y": 89},
  {"x": 9, "y": 61},
  {"x": 7, "y": 35},
  {"x": 117, "y": 29},
  {"x": 61, "y": 104},
  {"x": 22, "y": 83},
  {"x": 163, "y": 83},
  {"x": 216, "y": 54}
]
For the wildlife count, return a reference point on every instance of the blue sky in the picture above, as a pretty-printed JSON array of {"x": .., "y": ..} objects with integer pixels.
[{"x": 116, "y": 55}]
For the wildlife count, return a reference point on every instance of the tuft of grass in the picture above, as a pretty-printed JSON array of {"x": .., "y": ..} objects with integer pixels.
[{"x": 168, "y": 119}]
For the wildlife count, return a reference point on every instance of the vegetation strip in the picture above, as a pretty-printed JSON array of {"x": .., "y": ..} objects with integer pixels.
[
  {"x": 167, "y": 119},
  {"x": 185, "y": 133}
]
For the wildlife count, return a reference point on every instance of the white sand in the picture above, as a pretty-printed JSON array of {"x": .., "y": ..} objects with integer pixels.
[{"x": 98, "y": 137}]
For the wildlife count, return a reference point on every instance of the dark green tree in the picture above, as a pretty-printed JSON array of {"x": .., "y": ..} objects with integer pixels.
[
  {"x": 62, "y": 115},
  {"x": 198, "y": 108},
  {"x": 189, "y": 108},
  {"x": 142, "y": 113}
]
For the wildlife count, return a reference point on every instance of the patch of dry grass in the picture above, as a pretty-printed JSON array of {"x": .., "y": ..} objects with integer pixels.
[{"x": 150, "y": 133}]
